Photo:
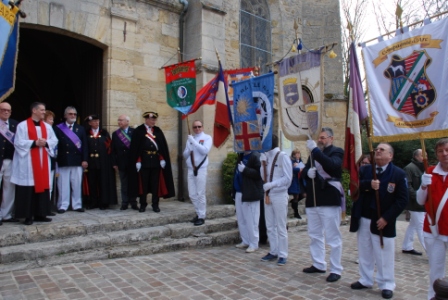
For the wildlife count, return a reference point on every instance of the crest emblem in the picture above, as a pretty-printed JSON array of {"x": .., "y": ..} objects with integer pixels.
[
  {"x": 411, "y": 90},
  {"x": 391, "y": 187},
  {"x": 291, "y": 90}
]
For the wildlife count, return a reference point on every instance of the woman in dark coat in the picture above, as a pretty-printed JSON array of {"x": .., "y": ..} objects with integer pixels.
[{"x": 296, "y": 189}]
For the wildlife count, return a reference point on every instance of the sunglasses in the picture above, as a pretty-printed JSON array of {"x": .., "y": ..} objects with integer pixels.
[
  {"x": 196, "y": 127},
  {"x": 380, "y": 149}
]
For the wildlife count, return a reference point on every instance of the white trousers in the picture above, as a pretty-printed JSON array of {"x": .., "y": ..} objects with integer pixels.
[
  {"x": 196, "y": 191},
  {"x": 276, "y": 215},
  {"x": 369, "y": 247},
  {"x": 436, "y": 250},
  {"x": 9, "y": 190},
  {"x": 323, "y": 226},
  {"x": 248, "y": 216},
  {"x": 70, "y": 180},
  {"x": 415, "y": 226}
]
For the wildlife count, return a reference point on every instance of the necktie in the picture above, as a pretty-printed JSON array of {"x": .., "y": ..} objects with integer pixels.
[
  {"x": 70, "y": 127},
  {"x": 379, "y": 171}
]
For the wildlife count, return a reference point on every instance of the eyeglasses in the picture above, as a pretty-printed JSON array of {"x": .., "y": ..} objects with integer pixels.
[
  {"x": 196, "y": 127},
  {"x": 380, "y": 149},
  {"x": 5, "y": 110},
  {"x": 323, "y": 137},
  {"x": 72, "y": 114}
]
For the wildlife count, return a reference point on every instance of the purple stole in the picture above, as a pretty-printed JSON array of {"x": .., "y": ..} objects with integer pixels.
[
  {"x": 71, "y": 135},
  {"x": 124, "y": 138}
]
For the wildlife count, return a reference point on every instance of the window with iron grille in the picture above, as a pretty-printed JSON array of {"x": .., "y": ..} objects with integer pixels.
[{"x": 255, "y": 34}]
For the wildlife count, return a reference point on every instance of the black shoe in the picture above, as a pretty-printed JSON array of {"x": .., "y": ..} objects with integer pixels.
[
  {"x": 1, "y": 223},
  {"x": 61, "y": 211},
  {"x": 413, "y": 252},
  {"x": 42, "y": 219},
  {"x": 357, "y": 286},
  {"x": 142, "y": 209},
  {"x": 313, "y": 269},
  {"x": 199, "y": 222},
  {"x": 194, "y": 219},
  {"x": 134, "y": 206},
  {"x": 123, "y": 207},
  {"x": 80, "y": 210},
  {"x": 103, "y": 207},
  {"x": 11, "y": 220},
  {"x": 28, "y": 221},
  {"x": 333, "y": 277},
  {"x": 156, "y": 209},
  {"x": 52, "y": 214},
  {"x": 297, "y": 216},
  {"x": 387, "y": 294}
]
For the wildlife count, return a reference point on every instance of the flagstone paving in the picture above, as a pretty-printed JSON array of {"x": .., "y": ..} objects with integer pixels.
[{"x": 214, "y": 273}]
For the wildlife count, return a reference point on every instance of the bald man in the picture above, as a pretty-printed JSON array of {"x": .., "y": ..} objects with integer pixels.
[{"x": 121, "y": 142}]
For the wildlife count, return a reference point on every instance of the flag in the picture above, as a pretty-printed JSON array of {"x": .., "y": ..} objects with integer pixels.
[
  {"x": 301, "y": 95},
  {"x": 357, "y": 113},
  {"x": 206, "y": 95},
  {"x": 223, "y": 119},
  {"x": 253, "y": 113},
  {"x": 181, "y": 85},
  {"x": 406, "y": 78},
  {"x": 9, "y": 38}
]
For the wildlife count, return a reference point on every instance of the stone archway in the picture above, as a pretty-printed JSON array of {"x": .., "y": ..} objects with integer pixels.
[{"x": 58, "y": 70}]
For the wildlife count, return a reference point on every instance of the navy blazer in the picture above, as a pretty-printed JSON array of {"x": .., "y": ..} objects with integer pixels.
[
  {"x": 393, "y": 196},
  {"x": 68, "y": 153},
  {"x": 120, "y": 153},
  {"x": 6, "y": 148}
]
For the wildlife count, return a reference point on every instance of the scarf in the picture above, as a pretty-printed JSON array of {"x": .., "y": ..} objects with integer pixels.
[{"x": 40, "y": 170}]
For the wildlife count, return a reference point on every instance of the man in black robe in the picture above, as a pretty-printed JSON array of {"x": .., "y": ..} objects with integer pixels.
[{"x": 152, "y": 173}]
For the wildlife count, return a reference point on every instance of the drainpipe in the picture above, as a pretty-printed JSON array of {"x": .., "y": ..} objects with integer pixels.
[{"x": 180, "y": 166}]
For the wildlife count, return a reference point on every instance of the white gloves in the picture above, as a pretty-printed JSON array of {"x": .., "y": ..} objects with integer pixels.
[
  {"x": 267, "y": 186},
  {"x": 263, "y": 157},
  {"x": 426, "y": 179},
  {"x": 241, "y": 167},
  {"x": 163, "y": 164},
  {"x": 310, "y": 144},
  {"x": 311, "y": 173},
  {"x": 191, "y": 139},
  {"x": 138, "y": 166}
]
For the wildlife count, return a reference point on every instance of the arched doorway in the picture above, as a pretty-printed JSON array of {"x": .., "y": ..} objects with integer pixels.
[{"x": 57, "y": 70}]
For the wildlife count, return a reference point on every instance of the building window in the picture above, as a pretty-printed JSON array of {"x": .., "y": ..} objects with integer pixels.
[{"x": 255, "y": 34}]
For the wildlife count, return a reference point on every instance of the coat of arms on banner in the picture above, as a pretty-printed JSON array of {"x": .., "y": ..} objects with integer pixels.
[
  {"x": 411, "y": 91},
  {"x": 291, "y": 91}
]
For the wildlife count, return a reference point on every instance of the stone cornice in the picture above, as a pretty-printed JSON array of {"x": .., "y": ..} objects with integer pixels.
[
  {"x": 170, "y": 5},
  {"x": 213, "y": 9},
  {"x": 124, "y": 14}
]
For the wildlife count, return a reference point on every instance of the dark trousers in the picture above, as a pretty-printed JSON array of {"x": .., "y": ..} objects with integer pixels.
[
  {"x": 263, "y": 235},
  {"x": 125, "y": 201},
  {"x": 30, "y": 204},
  {"x": 94, "y": 176},
  {"x": 150, "y": 184}
]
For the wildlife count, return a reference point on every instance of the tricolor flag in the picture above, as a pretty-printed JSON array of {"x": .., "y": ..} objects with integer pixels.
[
  {"x": 206, "y": 95},
  {"x": 223, "y": 119},
  {"x": 181, "y": 85},
  {"x": 357, "y": 113},
  {"x": 9, "y": 38}
]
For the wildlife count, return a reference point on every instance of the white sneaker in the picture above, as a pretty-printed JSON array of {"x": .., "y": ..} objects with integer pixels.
[
  {"x": 242, "y": 246},
  {"x": 250, "y": 250}
]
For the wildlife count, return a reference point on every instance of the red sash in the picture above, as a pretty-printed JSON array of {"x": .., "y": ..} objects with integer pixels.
[{"x": 40, "y": 170}]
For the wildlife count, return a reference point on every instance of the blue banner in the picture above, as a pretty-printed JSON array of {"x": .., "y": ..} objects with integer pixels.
[{"x": 253, "y": 113}]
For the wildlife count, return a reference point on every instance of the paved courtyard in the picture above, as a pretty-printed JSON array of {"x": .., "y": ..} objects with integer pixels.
[{"x": 214, "y": 273}]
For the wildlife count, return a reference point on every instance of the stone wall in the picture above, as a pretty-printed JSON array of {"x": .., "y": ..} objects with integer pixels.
[{"x": 140, "y": 36}]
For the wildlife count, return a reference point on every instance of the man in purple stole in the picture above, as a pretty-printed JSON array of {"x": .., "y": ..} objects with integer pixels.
[
  {"x": 72, "y": 160},
  {"x": 121, "y": 143}
]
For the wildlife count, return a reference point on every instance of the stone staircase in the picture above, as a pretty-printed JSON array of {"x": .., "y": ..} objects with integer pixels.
[{"x": 96, "y": 235}]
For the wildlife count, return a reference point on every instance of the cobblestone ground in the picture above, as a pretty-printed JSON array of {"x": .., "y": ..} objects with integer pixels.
[{"x": 214, "y": 273}]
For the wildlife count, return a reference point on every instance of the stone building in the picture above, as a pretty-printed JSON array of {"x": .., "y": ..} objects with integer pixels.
[{"x": 104, "y": 57}]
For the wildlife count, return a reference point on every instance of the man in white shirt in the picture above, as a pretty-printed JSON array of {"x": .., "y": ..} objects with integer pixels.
[{"x": 196, "y": 155}]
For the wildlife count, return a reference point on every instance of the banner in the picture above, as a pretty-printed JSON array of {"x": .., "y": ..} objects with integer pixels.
[
  {"x": 9, "y": 37},
  {"x": 357, "y": 113},
  {"x": 253, "y": 113},
  {"x": 407, "y": 78},
  {"x": 301, "y": 95},
  {"x": 181, "y": 85},
  {"x": 223, "y": 119}
]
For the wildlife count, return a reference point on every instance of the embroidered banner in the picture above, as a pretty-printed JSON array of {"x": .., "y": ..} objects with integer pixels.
[
  {"x": 253, "y": 113},
  {"x": 301, "y": 95},
  {"x": 407, "y": 78},
  {"x": 181, "y": 85}
]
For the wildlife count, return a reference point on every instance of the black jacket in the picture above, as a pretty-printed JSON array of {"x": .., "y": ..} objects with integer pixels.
[
  {"x": 252, "y": 184},
  {"x": 120, "y": 153},
  {"x": 326, "y": 194},
  {"x": 68, "y": 154},
  {"x": 414, "y": 171},
  {"x": 6, "y": 148},
  {"x": 393, "y": 196}
]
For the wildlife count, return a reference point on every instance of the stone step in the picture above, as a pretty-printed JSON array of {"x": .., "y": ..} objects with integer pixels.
[
  {"x": 72, "y": 224},
  {"x": 56, "y": 247}
]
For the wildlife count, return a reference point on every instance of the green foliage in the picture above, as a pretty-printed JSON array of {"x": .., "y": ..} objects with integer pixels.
[
  {"x": 228, "y": 170},
  {"x": 346, "y": 185}
]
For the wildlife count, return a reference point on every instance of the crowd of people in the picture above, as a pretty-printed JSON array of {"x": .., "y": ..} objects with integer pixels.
[{"x": 47, "y": 167}]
